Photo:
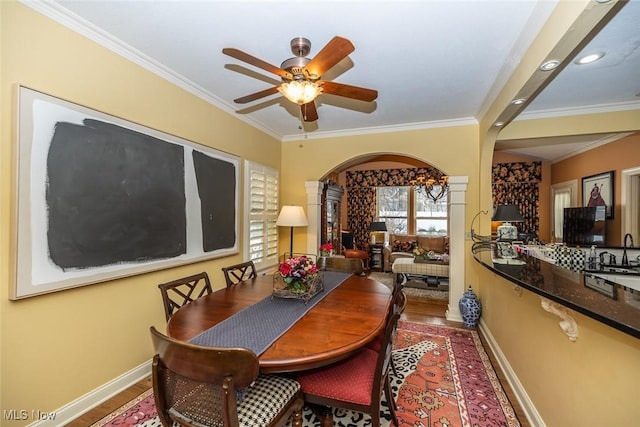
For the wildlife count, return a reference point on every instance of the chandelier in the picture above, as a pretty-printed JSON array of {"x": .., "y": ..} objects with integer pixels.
[{"x": 431, "y": 187}]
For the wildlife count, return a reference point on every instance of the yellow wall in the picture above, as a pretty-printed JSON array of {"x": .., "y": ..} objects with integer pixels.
[
  {"x": 311, "y": 159},
  {"x": 57, "y": 347},
  {"x": 588, "y": 382}
]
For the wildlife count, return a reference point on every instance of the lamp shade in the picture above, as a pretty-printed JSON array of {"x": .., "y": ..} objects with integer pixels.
[
  {"x": 378, "y": 226},
  {"x": 292, "y": 216},
  {"x": 507, "y": 213}
]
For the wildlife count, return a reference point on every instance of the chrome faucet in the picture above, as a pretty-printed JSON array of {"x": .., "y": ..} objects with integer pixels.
[{"x": 625, "y": 260}]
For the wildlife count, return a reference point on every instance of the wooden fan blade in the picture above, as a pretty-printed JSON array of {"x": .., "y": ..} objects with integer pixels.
[
  {"x": 256, "y": 95},
  {"x": 335, "y": 51},
  {"x": 353, "y": 92},
  {"x": 309, "y": 112},
  {"x": 242, "y": 56}
]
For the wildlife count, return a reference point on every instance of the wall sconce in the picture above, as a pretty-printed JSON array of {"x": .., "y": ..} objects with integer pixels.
[{"x": 477, "y": 238}]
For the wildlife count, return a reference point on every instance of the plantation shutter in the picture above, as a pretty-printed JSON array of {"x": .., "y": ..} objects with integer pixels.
[{"x": 262, "y": 211}]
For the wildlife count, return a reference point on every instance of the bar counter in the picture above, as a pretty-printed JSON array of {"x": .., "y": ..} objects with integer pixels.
[{"x": 605, "y": 301}]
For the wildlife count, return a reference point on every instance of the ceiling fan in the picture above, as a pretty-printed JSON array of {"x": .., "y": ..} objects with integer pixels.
[{"x": 301, "y": 76}]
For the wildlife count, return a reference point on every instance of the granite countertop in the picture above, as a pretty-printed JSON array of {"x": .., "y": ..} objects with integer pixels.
[{"x": 606, "y": 301}]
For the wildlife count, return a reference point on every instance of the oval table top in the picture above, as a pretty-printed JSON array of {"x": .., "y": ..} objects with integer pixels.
[{"x": 344, "y": 321}]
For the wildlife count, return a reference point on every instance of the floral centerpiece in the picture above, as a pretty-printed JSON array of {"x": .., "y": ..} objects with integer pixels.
[
  {"x": 421, "y": 254},
  {"x": 326, "y": 249},
  {"x": 297, "y": 277}
]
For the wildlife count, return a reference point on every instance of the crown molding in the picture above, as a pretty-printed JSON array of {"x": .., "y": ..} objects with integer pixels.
[
  {"x": 85, "y": 28},
  {"x": 578, "y": 111},
  {"x": 382, "y": 129}
]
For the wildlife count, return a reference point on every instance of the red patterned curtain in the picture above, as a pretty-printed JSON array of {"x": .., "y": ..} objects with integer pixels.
[{"x": 518, "y": 183}]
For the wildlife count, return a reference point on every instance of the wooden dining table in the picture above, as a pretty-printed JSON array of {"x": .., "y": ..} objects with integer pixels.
[{"x": 342, "y": 323}]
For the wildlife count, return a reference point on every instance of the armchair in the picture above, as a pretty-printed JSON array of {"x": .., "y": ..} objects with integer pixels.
[{"x": 349, "y": 249}]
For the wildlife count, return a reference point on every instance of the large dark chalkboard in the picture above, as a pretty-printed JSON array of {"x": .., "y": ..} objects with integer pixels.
[
  {"x": 101, "y": 198},
  {"x": 216, "y": 188},
  {"x": 113, "y": 196}
]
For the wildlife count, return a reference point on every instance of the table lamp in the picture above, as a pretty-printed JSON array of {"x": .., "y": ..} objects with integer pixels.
[
  {"x": 292, "y": 216},
  {"x": 375, "y": 229},
  {"x": 507, "y": 214}
]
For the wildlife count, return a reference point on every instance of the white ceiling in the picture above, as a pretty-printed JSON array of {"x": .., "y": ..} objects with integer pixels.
[{"x": 433, "y": 62}]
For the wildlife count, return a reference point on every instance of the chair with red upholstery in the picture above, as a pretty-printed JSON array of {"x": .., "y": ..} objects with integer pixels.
[
  {"x": 349, "y": 249},
  {"x": 355, "y": 383},
  {"x": 398, "y": 306}
]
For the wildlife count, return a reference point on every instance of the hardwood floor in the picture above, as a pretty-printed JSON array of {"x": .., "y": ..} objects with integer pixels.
[
  {"x": 101, "y": 411},
  {"x": 418, "y": 309}
]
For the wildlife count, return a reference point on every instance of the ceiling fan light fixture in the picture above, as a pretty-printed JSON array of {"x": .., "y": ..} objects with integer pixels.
[{"x": 300, "y": 92}]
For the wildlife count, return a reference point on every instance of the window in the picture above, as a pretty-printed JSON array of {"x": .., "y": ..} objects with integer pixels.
[
  {"x": 563, "y": 195},
  {"x": 410, "y": 212},
  {"x": 431, "y": 217},
  {"x": 261, "y": 232},
  {"x": 393, "y": 208}
]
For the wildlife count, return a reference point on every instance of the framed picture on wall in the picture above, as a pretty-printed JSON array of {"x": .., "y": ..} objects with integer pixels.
[
  {"x": 101, "y": 198},
  {"x": 598, "y": 190}
]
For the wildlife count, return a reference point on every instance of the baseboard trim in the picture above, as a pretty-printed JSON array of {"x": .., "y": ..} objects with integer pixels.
[
  {"x": 74, "y": 409},
  {"x": 532, "y": 414}
]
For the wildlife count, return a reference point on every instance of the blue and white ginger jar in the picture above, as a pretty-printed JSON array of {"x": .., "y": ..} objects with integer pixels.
[{"x": 470, "y": 308}]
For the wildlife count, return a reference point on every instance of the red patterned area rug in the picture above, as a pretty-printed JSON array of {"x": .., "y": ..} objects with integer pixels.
[{"x": 445, "y": 379}]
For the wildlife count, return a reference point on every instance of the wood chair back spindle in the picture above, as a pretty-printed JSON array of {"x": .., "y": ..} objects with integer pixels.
[
  {"x": 182, "y": 291},
  {"x": 238, "y": 272}
]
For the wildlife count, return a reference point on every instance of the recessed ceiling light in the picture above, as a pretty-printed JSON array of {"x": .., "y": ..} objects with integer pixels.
[
  {"x": 518, "y": 101},
  {"x": 498, "y": 124},
  {"x": 588, "y": 59},
  {"x": 550, "y": 65}
]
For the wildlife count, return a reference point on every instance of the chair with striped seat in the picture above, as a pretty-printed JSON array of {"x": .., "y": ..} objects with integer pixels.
[
  {"x": 214, "y": 386},
  {"x": 355, "y": 383}
]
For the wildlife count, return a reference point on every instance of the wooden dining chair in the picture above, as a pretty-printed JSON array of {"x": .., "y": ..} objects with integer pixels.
[
  {"x": 216, "y": 386},
  {"x": 182, "y": 291},
  {"x": 239, "y": 272},
  {"x": 348, "y": 265},
  {"x": 355, "y": 383},
  {"x": 399, "y": 303}
]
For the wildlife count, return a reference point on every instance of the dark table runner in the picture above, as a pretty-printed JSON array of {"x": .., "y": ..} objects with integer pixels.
[{"x": 259, "y": 325}]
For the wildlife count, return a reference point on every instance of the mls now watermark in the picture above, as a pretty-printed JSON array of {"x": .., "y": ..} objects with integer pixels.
[{"x": 24, "y": 415}]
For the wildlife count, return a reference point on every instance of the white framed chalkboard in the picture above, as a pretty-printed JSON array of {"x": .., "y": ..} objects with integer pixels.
[{"x": 100, "y": 197}]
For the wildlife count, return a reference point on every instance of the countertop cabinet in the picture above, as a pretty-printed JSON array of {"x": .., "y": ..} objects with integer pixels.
[
  {"x": 602, "y": 299},
  {"x": 331, "y": 226}
]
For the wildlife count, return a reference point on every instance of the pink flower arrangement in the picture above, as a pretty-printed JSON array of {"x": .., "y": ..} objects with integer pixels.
[
  {"x": 297, "y": 271},
  {"x": 325, "y": 249}
]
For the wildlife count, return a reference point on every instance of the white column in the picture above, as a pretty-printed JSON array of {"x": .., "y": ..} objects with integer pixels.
[
  {"x": 314, "y": 206},
  {"x": 457, "y": 207}
]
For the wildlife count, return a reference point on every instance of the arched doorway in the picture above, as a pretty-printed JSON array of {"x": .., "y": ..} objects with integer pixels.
[{"x": 456, "y": 220}]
